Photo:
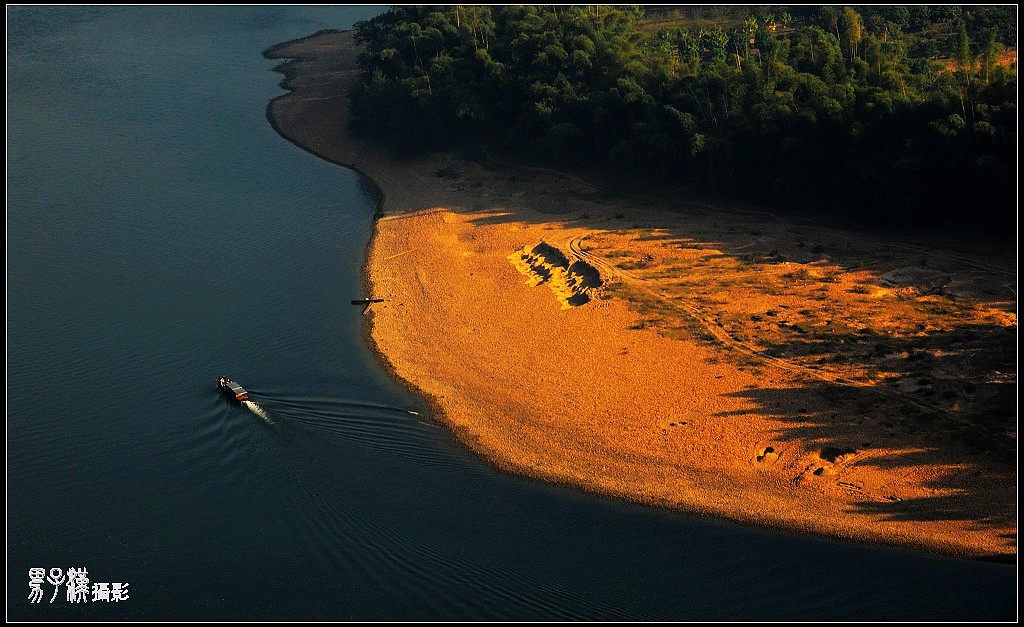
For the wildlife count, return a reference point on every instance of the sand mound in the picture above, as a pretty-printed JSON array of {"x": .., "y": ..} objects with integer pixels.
[
  {"x": 571, "y": 281},
  {"x": 922, "y": 279}
]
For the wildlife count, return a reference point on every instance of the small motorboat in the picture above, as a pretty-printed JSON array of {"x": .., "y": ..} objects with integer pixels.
[{"x": 232, "y": 389}]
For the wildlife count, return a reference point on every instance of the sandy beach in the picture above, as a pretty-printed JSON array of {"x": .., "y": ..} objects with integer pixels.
[{"x": 706, "y": 359}]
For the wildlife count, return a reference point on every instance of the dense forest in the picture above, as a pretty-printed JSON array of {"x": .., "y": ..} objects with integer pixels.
[{"x": 895, "y": 114}]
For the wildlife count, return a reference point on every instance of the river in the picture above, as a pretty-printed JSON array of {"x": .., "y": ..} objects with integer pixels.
[{"x": 160, "y": 233}]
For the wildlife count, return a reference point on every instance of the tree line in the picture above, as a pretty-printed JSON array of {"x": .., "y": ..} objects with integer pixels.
[{"x": 880, "y": 114}]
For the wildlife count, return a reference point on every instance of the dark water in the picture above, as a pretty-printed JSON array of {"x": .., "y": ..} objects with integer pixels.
[{"x": 159, "y": 234}]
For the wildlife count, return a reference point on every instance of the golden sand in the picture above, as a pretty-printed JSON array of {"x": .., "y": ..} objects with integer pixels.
[{"x": 636, "y": 352}]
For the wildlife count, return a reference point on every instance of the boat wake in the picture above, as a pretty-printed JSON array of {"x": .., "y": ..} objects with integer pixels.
[{"x": 255, "y": 408}]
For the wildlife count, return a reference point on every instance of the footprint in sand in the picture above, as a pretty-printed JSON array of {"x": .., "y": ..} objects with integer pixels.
[
  {"x": 767, "y": 455},
  {"x": 835, "y": 454}
]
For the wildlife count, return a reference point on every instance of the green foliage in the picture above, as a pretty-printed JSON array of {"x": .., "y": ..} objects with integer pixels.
[{"x": 832, "y": 109}]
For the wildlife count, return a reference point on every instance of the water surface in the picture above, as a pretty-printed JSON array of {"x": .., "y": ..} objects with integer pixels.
[{"x": 161, "y": 234}]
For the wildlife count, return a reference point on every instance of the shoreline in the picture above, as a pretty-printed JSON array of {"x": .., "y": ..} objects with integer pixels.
[
  {"x": 452, "y": 214},
  {"x": 285, "y": 83}
]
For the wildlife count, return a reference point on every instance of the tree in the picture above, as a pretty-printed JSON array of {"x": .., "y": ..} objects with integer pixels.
[
  {"x": 716, "y": 42},
  {"x": 966, "y": 67},
  {"x": 989, "y": 53},
  {"x": 589, "y": 85},
  {"x": 786, "y": 20},
  {"x": 853, "y": 31},
  {"x": 738, "y": 45},
  {"x": 829, "y": 17}
]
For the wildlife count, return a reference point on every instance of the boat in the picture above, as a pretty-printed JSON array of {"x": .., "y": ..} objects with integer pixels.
[
  {"x": 232, "y": 388},
  {"x": 366, "y": 302}
]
